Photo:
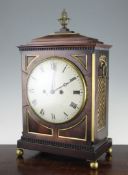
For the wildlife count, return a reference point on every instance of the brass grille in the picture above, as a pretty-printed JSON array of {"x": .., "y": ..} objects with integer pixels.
[{"x": 101, "y": 102}]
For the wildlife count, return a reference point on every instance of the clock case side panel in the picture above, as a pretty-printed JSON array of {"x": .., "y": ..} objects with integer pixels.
[{"x": 102, "y": 94}]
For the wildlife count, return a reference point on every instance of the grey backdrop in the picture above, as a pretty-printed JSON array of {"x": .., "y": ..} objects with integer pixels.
[{"x": 20, "y": 21}]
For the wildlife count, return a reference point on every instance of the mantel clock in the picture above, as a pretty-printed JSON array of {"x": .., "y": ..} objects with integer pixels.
[{"x": 65, "y": 95}]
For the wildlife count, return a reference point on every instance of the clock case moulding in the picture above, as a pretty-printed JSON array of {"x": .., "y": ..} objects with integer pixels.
[{"x": 86, "y": 136}]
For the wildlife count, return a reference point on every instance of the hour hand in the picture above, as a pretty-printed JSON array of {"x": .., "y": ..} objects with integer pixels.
[{"x": 53, "y": 67}]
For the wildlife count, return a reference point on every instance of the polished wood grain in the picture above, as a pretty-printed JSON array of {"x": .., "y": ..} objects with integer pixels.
[
  {"x": 70, "y": 39},
  {"x": 35, "y": 163}
]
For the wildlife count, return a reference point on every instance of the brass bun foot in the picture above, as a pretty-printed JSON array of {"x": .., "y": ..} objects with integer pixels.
[
  {"x": 94, "y": 165},
  {"x": 110, "y": 150},
  {"x": 108, "y": 156},
  {"x": 19, "y": 152}
]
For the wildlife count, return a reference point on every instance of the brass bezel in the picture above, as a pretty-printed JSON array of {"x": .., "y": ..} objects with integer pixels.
[{"x": 72, "y": 64}]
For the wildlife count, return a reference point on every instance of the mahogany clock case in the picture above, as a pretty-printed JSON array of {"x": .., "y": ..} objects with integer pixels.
[
  {"x": 73, "y": 138},
  {"x": 85, "y": 135}
]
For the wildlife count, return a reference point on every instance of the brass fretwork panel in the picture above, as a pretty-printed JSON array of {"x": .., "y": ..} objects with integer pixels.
[
  {"x": 101, "y": 102},
  {"x": 102, "y": 84}
]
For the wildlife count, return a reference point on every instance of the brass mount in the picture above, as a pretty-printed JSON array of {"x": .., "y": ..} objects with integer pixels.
[{"x": 64, "y": 20}]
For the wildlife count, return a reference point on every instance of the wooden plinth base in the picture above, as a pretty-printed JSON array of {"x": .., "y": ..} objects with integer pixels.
[{"x": 89, "y": 152}]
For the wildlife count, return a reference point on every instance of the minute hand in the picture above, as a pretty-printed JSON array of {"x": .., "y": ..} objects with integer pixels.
[{"x": 65, "y": 84}]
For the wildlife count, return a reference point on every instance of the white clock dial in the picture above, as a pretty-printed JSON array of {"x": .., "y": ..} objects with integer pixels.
[{"x": 56, "y": 90}]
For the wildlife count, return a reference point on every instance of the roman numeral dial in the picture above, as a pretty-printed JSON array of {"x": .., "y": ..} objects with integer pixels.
[
  {"x": 73, "y": 105},
  {"x": 57, "y": 92},
  {"x": 64, "y": 68},
  {"x": 76, "y": 92}
]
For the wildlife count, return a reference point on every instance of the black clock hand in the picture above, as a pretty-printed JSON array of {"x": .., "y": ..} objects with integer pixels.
[
  {"x": 53, "y": 81},
  {"x": 65, "y": 84}
]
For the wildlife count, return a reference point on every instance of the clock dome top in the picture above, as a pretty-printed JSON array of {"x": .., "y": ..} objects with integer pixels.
[{"x": 64, "y": 37}]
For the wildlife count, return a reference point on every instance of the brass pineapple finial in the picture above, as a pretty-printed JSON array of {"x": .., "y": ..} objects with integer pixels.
[{"x": 64, "y": 20}]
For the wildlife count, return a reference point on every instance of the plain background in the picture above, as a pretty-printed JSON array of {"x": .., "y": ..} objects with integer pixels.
[{"x": 23, "y": 20}]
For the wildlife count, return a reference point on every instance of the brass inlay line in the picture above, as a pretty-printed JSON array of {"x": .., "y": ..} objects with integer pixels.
[
  {"x": 27, "y": 118},
  {"x": 24, "y": 72},
  {"x": 77, "y": 56},
  {"x": 86, "y": 61},
  {"x": 75, "y": 138},
  {"x": 34, "y": 58},
  {"x": 40, "y": 134},
  {"x": 93, "y": 98}
]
